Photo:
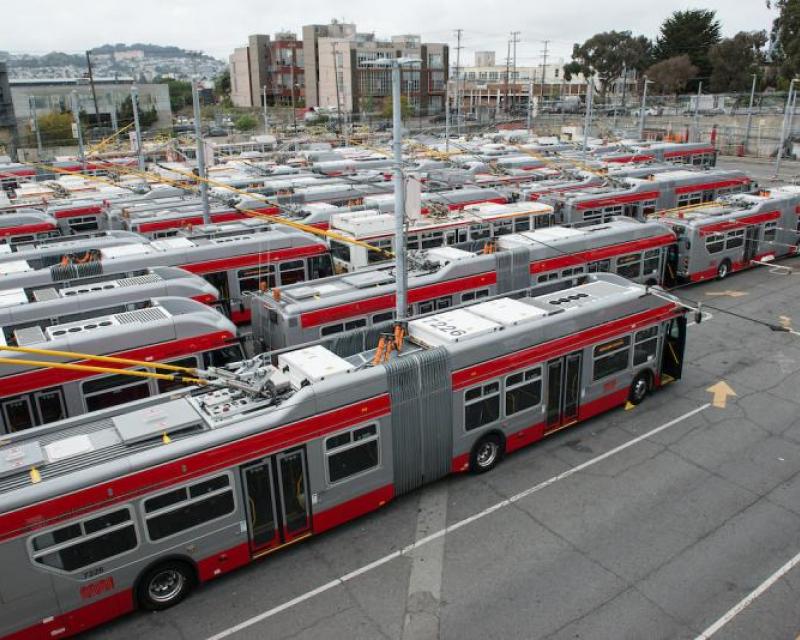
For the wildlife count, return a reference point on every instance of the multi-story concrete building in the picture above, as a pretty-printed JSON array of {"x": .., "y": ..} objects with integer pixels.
[
  {"x": 8, "y": 124},
  {"x": 55, "y": 95},
  {"x": 275, "y": 65},
  {"x": 346, "y": 78},
  {"x": 311, "y": 35}
]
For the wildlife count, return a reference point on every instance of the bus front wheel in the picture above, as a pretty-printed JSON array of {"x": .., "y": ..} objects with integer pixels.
[
  {"x": 165, "y": 585},
  {"x": 639, "y": 388},
  {"x": 724, "y": 269}
]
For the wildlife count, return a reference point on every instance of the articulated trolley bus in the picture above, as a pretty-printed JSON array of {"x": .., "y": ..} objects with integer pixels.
[
  {"x": 132, "y": 506},
  {"x": 641, "y": 197},
  {"x": 174, "y": 330},
  {"x": 725, "y": 237},
  {"x": 445, "y": 277},
  {"x": 65, "y": 301},
  {"x": 235, "y": 258},
  {"x": 27, "y": 225}
]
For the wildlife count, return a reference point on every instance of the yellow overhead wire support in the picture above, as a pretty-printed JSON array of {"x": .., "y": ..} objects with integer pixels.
[
  {"x": 85, "y": 368},
  {"x": 98, "y": 358},
  {"x": 94, "y": 148}
]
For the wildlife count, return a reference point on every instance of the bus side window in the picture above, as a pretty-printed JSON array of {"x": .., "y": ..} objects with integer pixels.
[
  {"x": 292, "y": 271},
  {"x": 50, "y": 405},
  {"x": 17, "y": 414},
  {"x": 222, "y": 356},
  {"x": 219, "y": 279},
  {"x": 112, "y": 390},
  {"x": 165, "y": 386},
  {"x": 320, "y": 267}
]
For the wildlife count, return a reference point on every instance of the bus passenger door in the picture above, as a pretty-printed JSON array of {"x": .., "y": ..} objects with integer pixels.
[
  {"x": 563, "y": 391},
  {"x": 670, "y": 278},
  {"x": 751, "y": 243},
  {"x": 276, "y": 500},
  {"x": 672, "y": 352}
]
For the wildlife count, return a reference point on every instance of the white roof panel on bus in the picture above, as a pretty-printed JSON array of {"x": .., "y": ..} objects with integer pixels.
[
  {"x": 507, "y": 311},
  {"x": 14, "y": 266},
  {"x": 124, "y": 250},
  {"x": 452, "y": 326},
  {"x": 12, "y": 297},
  {"x": 173, "y": 243},
  {"x": 312, "y": 365}
]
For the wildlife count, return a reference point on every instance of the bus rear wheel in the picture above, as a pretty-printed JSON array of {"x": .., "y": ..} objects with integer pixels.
[
  {"x": 486, "y": 454},
  {"x": 165, "y": 585},
  {"x": 724, "y": 269}
]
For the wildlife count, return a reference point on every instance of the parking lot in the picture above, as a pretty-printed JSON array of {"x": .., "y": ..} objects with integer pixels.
[{"x": 655, "y": 522}]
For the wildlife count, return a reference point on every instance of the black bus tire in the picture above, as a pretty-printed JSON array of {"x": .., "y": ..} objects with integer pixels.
[
  {"x": 640, "y": 387},
  {"x": 165, "y": 585},
  {"x": 486, "y": 453},
  {"x": 724, "y": 269}
]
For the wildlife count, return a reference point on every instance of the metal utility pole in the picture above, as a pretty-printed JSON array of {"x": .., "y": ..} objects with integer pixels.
[
  {"x": 137, "y": 127},
  {"x": 113, "y": 113},
  {"x": 697, "y": 112},
  {"x": 35, "y": 123},
  {"x": 336, "y": 77},
  {"x": 514, "y": 40},
  {"x": 77, "y": 123},
  {"x": 784, "y": 125},
  {"x": 643, "y": 108},
  {"x": 294, "y": 111},
  {"x": 458, "y": 80},
  {"x": 588, "y": 118},
  {"x": 508, "y": 72},
  {"x": 401, "y": 279},
  {"x": 544, "y": 66},
  {"x": 266, "y": 119},
  {"x": 94, "y": 93},
  {"x": 530, "y": 101},
  {"x": 624, "y": 86},
  {"x": 447, "y": 115},
  {"x": 624, "y": 70},
  {"x": 750, "y": 113},
  {"x": 201, "y": 152}
]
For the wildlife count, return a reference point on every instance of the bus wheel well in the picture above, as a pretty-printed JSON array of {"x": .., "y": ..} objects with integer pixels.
[
  {"x": 487, "y": 451},
  {"x": 641, "y": 385},
  {"x": 174, "y": 559}
]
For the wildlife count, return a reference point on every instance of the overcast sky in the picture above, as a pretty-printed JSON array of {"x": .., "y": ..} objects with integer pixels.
[{"x": 216, "y": 27}]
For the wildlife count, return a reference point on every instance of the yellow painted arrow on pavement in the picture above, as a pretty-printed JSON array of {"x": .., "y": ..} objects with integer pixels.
[
  {"x": 721, "y": 391},
  {"x": 786, "y": 321},
  {"x": 728, "y": 293}
]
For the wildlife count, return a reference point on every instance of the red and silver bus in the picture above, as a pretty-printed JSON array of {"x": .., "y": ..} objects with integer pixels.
[
  {"x": 235, "y": 258},
  {"x": 641, "y": 197},
  {"x": 175, "y": 330},
  {"x": 452, "y": 199},
  {"x": 445, "y": 277},
  {"x": 722, "y": 238},
  {"x": 27, "y": 225},
  {"x": 133, "y": 506},
  {"x": 698, "y": 154},
  {"x": 470, "y": 226}
]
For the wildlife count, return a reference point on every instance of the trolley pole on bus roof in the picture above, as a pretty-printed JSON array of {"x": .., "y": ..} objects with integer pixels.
[
  {"x": 401, "y": 275},
  {"x": 137, "y": 126},
  {"x": 201, "y": 156},
  {"x": 77, "y": 123}
]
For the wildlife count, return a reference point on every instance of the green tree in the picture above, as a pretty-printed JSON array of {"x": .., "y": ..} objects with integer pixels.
[
  {"x": 735, "y": 60},
  {"x": 405, "y": 108},
  {"x": 607, "y": 54},
  {"x": 672, "y": 75},
  {"x": 245, "y": 122},
  {"x": 222, "y": 86},
  {"x": 785, "y": 37},
  {"x": 56, "y": 128},
  {"x": 180, "y": 93},
  {"x": 147, "y": 116},
  {"x": 692, "y": 33}
]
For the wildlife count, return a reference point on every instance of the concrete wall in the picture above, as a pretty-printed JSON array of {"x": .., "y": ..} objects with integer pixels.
[{"x": 241, "y": 94}]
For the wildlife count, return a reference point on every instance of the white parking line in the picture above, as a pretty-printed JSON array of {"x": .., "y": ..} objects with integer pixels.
[
  {"x": 453, "y": 527},
  {"x": 749, "y": 599}
]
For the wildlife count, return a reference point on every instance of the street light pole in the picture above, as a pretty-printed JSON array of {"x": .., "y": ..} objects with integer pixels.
[
  {"x": 266, "y": 119},
  {"x": 784, "y": 125},
  {"x": 587, "y": 123},
  {"x": 201, "y": 154},
  {"x": 35, "y": 121},
  {"x": 78, "y": 133},
  {"x": 137, "y": 127},
  {"x": 530, "y": 99},
  {"x": 750, "y": 113},
  {"x": 697, "y": 113},
  {"x": 447, "y": 116},
  {"x": 643, "y": 109}
]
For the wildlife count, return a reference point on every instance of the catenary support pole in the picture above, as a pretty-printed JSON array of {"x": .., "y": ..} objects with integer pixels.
[
  {"x": 137, "y": 127},
  {"x": 201, "y": 152}
]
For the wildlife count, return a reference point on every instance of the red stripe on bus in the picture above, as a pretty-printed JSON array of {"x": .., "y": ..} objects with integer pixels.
[
  {"x": 255, "y": 259},
  {"x": 240, "y": 317},
  {"x": 352, "y": 509},
  {"x": 77, "y": 211},
  {"x": 622, "y": 199},
  {"x": 713, "y": 185},
  {"x": 222, "y": 562},
  {"x": 511, "y": 362},
  {"x": 26, "y": 228},
  {"x": 78, "y": 620},
  {"x": 688, "y": 152},
  {"x": 193, "y": 220},
  {"x": 601, "y": 253},
  {"x": 727, "y": 225},
  {"x": 205, "y": 298},
  {"x": 387, "y": 301},
  {"x": 134, "y": 485},
  {"x": 43, "y": 378}
]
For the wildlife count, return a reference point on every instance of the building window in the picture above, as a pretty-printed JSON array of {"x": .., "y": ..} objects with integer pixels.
[{"x": 352, "y": 452}]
